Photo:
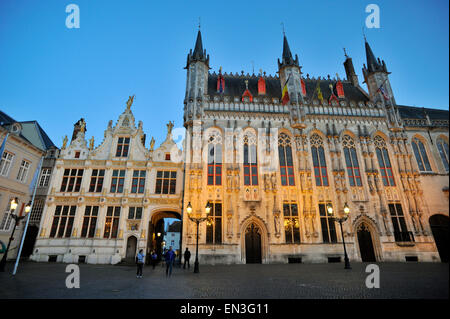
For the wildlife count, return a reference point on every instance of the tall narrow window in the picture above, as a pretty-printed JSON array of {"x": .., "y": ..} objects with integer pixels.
[
  {"x": 318, "y": 156},
  {"x": 45, "y": 177},
  {"x": 165, "y": 182},
  {"x": 214, "y": 224},
  {"x": 138, "y": 182},
  {"x": 327, "y": 224},
  {"x": 5, "y": 163},
  {"x": 112, "y": 222},
  {"x": 421, "y": 155},
  {"x": 135, "y": 213},
  {"x": 215, "y": 159},
  {"x": 63, "y": 221},
  {"x": 123, "y": 144},
  {"x": 398, "y": 221},
  {"x": 97, "y": 180},
  {"x": 291, "y": 223},
  {"x": 443, "y": 152},
  {"x": 89, "y": 222},
  {"x": 23, "y": 171},
  {"x": 36, "y": 212},
  {"x": 71, "y": 181},
  {"x": 117, "y": 181},
  {"x": 383, "y": 161},
  {"x": 7, "y": 220},
  {"x": 351, "y": 160},
  {"x": 250, "y": 161},
  {"x": 286, "y": 161}
]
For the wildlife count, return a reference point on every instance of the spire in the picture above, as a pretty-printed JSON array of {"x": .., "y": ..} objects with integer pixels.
[
  {"x": 199, "y": 54},
  {"x": 198, "y": 50},
  {"x": 373, "y": 64},
  {"x": 287, "y": 58}
]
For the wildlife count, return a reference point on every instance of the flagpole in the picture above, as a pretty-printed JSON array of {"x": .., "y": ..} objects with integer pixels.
[{"x": 28, "y": 218}]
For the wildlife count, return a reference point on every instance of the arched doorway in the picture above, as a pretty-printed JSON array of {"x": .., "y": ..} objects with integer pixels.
[
  {"x": 439, "y": 228},
  {"x": 164, "y": 230},
  {"x": 253, "y": 245},
  {"x": 131, "y": 248},
  {"x": 365, "y": 244}
]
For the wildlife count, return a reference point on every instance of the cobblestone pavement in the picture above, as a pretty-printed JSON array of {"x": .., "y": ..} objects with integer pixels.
[{"x": 287, "y": 281}]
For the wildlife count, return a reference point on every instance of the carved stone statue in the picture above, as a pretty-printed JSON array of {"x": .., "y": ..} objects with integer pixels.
[
  {"x": 83, "y": 126},
  {"x": 273, "y": 180},
  {"x": 110, "y": 124},
  {"x": 169, "y": 127},
  {"x": 64, "y": 142},
  {"x": 91, "y": 143},
  {"x": 130, "y": 102},
  {"x": 152, "y": 143}
]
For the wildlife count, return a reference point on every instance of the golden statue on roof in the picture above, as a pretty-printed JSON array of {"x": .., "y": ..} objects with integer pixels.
[
  {"x": 130, "y": 101},
  {"x": 169, "y": 127}
]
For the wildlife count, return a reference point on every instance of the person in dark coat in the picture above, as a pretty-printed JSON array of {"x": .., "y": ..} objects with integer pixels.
[
  {"x": 170, "y": 257},
  {"x": 187, "y": 256},
  {"x": 154, "y": 257}
]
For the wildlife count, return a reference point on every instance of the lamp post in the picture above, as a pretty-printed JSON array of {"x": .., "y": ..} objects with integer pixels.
[
  {"x": 17, "y": 219},
  {"x": 197, "y": 219},
  {"x": 340, "y": 220}
]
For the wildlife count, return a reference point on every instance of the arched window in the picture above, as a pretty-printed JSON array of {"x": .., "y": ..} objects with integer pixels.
[
  {"x": 215, "y": 159},
  {"x": 318, "y": 156},
  {"x": 421, "y": 155},
  {"x": 351, "y": 160},
  {"x": 286, "y": 161},
  {"x": 383, "y": 161},
  {"x": 443, "y": 151},
  {"x": 250, "y": 160}
]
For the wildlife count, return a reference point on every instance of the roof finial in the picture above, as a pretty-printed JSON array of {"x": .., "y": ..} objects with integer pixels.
[
  {"x": 364, "y": 34},
  {"x": 246, "y": 84},
  {"x": 282, "y": 25},
  {"x": 345, "y": 53},
  {"x": 253, "y": 67},
  {"x": 198, "y": 23}
]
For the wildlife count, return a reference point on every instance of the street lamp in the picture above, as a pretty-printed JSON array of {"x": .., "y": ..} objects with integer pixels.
[
  {"x": 17, "y": 219},
  {"x": 340, "y": 220},
  {"x": 197, "y": 219}
]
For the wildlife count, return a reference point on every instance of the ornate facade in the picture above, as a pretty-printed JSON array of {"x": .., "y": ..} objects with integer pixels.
[
  {"x": 104, "y": 202},
  {"x": 270, "y": 169},
  {"x": 271, "y": 155}
]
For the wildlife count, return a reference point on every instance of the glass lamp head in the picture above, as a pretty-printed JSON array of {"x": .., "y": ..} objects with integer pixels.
[
  {"x": 189, "y": 208},
  {"x": 346, "y": 209},
  {"x": 28, "y": 208},
  {"x": 208, "y": 208},
  {"x": 329, "y": 209},
  {"x": 14, "y": 203}
]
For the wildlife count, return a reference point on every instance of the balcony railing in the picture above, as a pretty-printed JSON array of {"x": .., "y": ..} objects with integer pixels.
[{"x": 404, "y": 236}]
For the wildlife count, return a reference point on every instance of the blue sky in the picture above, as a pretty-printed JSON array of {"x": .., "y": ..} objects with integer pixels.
[{"x": 57, "y": 75}]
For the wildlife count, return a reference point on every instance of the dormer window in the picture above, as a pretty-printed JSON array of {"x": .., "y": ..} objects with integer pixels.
[
  {"x": 123, "y": 144},
  {"x": 261, "y": 86},
  {"x": 167, "y": 157},
  {"x": 77, "y": 154}
]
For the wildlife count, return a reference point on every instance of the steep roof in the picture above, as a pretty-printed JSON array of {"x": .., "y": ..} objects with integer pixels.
[
  {"x": 31, "y": 131},
  {"x": 235, "y": 87},
  {"x": 412, "y": 112}
]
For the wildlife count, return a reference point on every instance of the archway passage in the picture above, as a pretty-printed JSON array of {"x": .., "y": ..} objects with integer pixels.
[
  {"x": 253, "y": 245},
  {"x": 131, "y": 248},
  {"x": 365, "y": 244},
  {"x": 158, "y": 234},
  {"x": 439, "y": 228}
]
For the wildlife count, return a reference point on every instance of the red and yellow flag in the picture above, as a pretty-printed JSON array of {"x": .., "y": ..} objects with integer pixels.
[{"x": 285, "y": 93}]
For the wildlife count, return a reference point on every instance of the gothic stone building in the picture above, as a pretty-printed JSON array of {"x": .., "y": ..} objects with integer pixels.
[
  {"x": 105, "y": 202},
  {"x": 270, "y": 169},
  {"x": 271, "y": 155}
]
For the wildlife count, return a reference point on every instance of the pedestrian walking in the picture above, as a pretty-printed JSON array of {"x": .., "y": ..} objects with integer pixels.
[
  {"x": 154, "y": 257},
  {"x": 170, "y": 257},
  {"x": 140, "y": 263},
  {"x": 187, "y": 256}
]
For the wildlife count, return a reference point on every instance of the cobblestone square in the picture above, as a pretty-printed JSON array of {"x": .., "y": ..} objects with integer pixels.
[{"x": 284, "y": 281}]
